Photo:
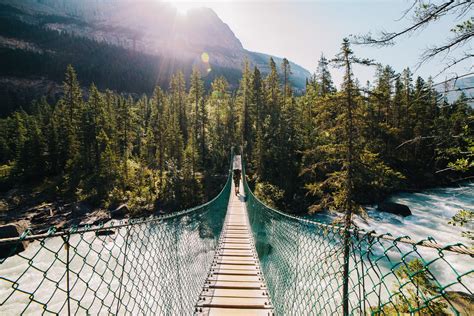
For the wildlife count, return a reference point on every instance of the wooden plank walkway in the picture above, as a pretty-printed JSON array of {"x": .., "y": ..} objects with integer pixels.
[{"x": 235, "y": 285}]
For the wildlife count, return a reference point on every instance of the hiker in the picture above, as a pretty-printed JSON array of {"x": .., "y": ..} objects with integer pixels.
[
  {"x": 237, "y": 167},
  {"x": 237, "y": 175}
]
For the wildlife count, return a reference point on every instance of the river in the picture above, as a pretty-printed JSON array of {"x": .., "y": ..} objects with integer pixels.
[
  {"x": 432, "y": 209},
  {"x": 301, "y": 262}
]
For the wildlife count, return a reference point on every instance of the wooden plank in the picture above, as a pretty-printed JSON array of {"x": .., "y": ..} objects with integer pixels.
[
  {"x": 235, "y": 252},
  {"x": 235, "y": 278},
  {"x": 234, "y": 312},
  {"x": 235, "y": 285},
  {"x": 235, "y": 261},
  {"x": 235, "y": 293},
  {"x": 234, "y": 302},
  {"x": 236, "y": 267},
  {"x": 235, "y": 272},
  {"x": 231, "y": 241},
  {"x": 243, "y": 245}
]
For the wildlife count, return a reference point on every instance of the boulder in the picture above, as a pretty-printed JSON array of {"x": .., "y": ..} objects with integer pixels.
[
  {"x": 120, "y": 212},
  {"x": 11, "y": 231},
  {"x": 79, "y": 209},
  {"x": 3, "y": 205},
  {"x": 95, "y": 218},
  {"x": 394, "y": 208},
  {"x": 105, "y": 232}
]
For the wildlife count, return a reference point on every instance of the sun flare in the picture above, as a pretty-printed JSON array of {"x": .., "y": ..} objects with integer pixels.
[{"x": 183, "y": 6}]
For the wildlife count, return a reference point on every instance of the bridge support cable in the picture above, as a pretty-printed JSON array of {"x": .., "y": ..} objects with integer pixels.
[
  {"x": 235, "y": 284},
  {"x": 146, "y": 266},
  {"x": 309, "y": 271}
]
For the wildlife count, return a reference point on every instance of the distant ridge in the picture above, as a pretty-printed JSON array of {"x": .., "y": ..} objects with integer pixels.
[
  {"x": 456, "y": 87},
  {"x": 150, "y": 38}
]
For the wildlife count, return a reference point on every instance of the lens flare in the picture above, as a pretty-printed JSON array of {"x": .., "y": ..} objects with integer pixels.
[{"x": 205, "y": 57}]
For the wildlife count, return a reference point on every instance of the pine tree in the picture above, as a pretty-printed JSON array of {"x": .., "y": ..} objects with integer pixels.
[
  {"x": 323, "y": 80},
  {"x": 196, "y": 141},
  {"x": 286, "y": 71},
  {"x": 272, "y": 136},
  {"x": 72, "y": 112},
  {"x": 159, "y": 125},
  {"x": 218, "y": 105},
  {"x": 124, "y": 135},
  {"x": 244, "y": 100},
  {"x": 259, "y": 113},
  {"x": 178, "y": 102}
]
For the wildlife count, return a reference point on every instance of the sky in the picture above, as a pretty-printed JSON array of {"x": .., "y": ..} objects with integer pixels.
[{"x": 302, "y": 30}]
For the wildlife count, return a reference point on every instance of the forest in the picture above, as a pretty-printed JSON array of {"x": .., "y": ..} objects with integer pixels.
[
  {"x": 106, "y": 65},
  {"x": 327, "y": 149}
]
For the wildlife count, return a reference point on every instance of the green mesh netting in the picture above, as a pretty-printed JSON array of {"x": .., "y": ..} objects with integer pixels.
[
  {"x": 302, "y": 261},
  {"x": 152, "y": 266},
  {"x": 158, "y": 266}
]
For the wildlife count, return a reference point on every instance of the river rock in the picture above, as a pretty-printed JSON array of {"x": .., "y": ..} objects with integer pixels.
[
  {"x": 120, "y": 212},
  {"x": 105, "y": 232},
  {"x": 95, "y": 218},
  {"x": 3, "y": 205},
  {"x": 79, "y": 209},
  {"x": 394, "y": 208},
  {"x": 11, "y": 231}
]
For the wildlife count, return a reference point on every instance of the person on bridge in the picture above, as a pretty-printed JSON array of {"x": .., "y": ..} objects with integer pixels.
[
  {"x": 237, "y": 167},
  {"x": 237, "y": 175}
]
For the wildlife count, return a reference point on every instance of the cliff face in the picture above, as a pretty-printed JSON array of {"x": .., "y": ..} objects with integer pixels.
[{"x": 152, "y": 29}]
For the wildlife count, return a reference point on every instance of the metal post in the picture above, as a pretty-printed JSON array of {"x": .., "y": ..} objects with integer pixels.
[
  {"x": 345, "y": 273},
  {"x": 66, "y": 246},
  {"x": 123, "y": 271},
  {"x": 178, "y": 276}
]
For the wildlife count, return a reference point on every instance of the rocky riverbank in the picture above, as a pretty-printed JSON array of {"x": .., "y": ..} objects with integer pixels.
[{"x": 39, "y": 215}]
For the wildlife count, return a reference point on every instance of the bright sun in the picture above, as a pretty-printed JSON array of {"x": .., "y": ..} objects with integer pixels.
[{"x": 183, "y": 6}]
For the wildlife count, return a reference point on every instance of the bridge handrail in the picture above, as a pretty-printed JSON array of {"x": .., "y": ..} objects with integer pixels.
[
  {"x": 309, "y": 272},
  {"x": 430, "y": 242},
  {"x": 146, "y": 265},
  {"x": 75, "y": 229}
]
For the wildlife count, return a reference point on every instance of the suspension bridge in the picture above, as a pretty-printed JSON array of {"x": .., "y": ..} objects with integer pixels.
[{"x": 232, "y": 256}]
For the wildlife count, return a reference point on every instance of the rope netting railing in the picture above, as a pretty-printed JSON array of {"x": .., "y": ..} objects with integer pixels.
[
  {"x": 148, "y": 266},
  {"x": 303, "y": 260}
]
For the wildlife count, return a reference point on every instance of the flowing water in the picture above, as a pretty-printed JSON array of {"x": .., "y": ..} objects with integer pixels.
[
  {"x": 310, "y": 258},
  {"x": 151, "y": 264},
  {"x": 432, "y": 210}
]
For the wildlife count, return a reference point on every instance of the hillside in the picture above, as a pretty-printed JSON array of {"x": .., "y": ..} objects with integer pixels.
[
  {"x": 454, "y": 89},
  {"x": 139, "y": 43}
]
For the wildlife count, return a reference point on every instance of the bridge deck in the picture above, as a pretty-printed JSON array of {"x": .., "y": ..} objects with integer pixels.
[{"x": 235, "y": 285}]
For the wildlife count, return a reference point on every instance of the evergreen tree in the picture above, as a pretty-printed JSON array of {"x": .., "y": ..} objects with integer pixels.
[
  {"x": 323, "y": 81},
  {"x": 218, "y": 107},
  {"x": 259, "y": 113},
  {"x": 244, "y": 100},
  {"x": 178, "y": 102},
  {"x": 196, "y": 144}
]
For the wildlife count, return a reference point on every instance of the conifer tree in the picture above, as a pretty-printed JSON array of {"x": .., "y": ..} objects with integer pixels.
[
  {"x": 218, "y": 105},
  {"x": 72, "y": 112},
  {"x": 196, "y": 143},
  {"x": 244, "y": 101},
  {"x": 159, "y": 125},
  {"x": 259, "y": 113},
  {"x": 272, "y": 136},
  {"x": 323, "y": 79},
  {"x": 178, "y": 102}
]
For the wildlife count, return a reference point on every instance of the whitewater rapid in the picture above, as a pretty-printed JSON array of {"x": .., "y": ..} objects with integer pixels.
[{"x": 431, "y": 209}]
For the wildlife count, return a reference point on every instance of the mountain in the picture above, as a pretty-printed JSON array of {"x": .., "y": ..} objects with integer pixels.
[
  {"x": 128, "y": 46},
  {"x": 452, "y": 89}
]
